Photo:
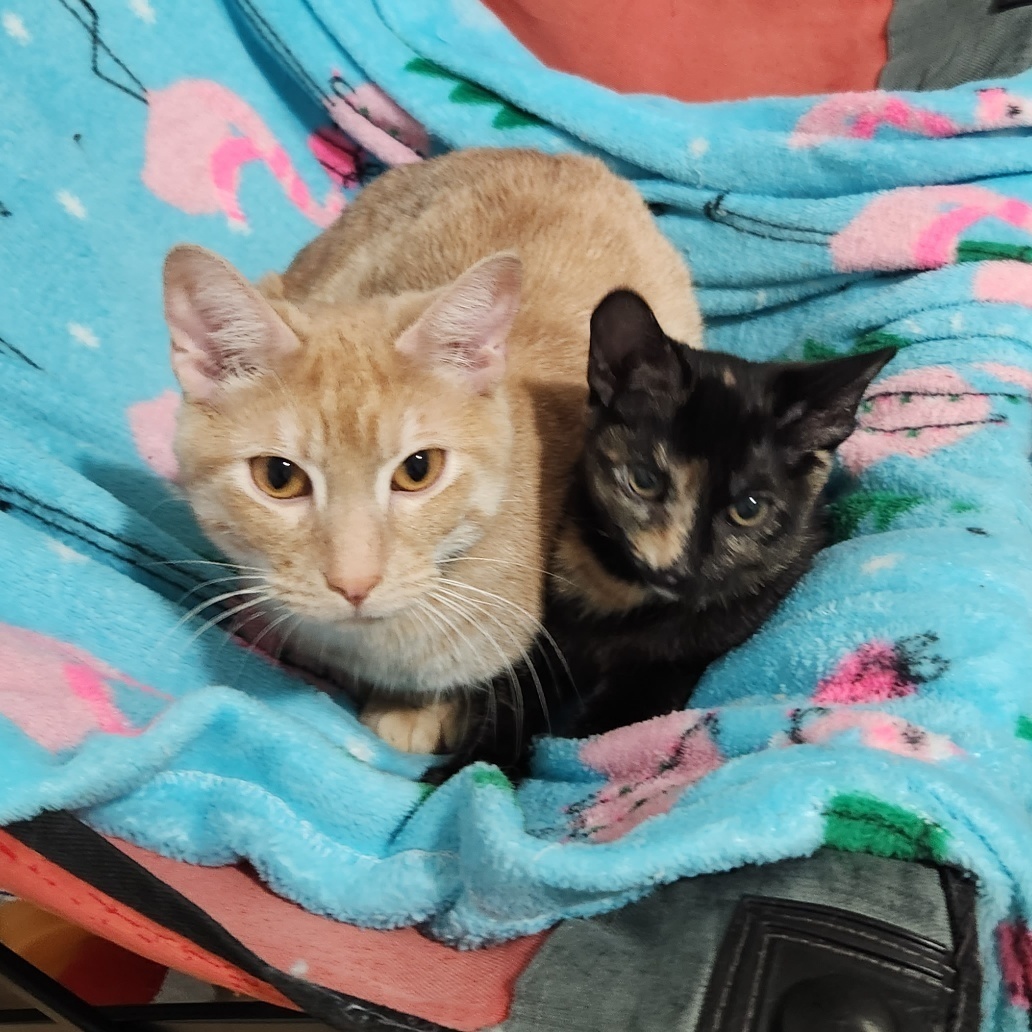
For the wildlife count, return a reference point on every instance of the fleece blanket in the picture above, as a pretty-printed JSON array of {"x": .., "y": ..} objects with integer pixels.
[{"x": 885, "y": 707}]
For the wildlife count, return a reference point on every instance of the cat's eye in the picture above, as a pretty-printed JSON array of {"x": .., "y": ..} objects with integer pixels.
[
  {"x": 645, "y": 481},
  {"x": 748, "y": 510},
  {"x": 419, "y": 470},
  {"x": 279, "y": 477}
]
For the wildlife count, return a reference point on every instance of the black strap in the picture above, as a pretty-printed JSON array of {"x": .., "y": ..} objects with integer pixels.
[{"x": 77, "y": 849}]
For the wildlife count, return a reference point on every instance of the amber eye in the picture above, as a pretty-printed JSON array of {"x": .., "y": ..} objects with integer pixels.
[
  {"x": 748, "y": 510},
  {"x": 419, "y": 470},
  {"x": 645, "y": 481},
  {"x": 279, "y": 477}
]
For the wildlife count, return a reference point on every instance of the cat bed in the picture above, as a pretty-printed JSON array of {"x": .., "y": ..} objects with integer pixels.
[{"x": 883, "y": 709}]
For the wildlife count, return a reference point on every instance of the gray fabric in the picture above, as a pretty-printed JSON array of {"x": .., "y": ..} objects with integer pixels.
[
  {"x": 645, "y": 968},
  {"x": 936, "y": 44}
]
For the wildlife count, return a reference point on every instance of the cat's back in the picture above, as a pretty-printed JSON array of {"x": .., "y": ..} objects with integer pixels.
[{"x": 579, "y": 230}]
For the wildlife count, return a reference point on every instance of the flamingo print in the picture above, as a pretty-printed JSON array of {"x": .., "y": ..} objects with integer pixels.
[
  {"x": 919, "y": 227},
  {"x": 916, "y": 413},
  {"x": 876, "y": 730},
  {"x": 58, "y": 694},
  {"x": 880, "y": 671},
  {"x": 858, "y": 116},
  {"x": 200, "y": 135},
  {"x": 649, "y": 766}
]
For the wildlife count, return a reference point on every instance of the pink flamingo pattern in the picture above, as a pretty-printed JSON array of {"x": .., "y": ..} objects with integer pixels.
[
  {"x": 58, "y": 694},
  {"x": 817, "y": 725},
  {"x": 200, "y": 135},
  {"x": 379, "y": 125},
  {"x": 915, "y": 414},
  {"x": 153, "y": 425},
  {"x": 879, "y": 671},
  {"x": 648, "y": 767},
  {"x": 919, "y": 227},
  {"x": 858, "y": 116},
  {"x": 1009, "y": 374},
  {"x": 1004, "y": 283}
]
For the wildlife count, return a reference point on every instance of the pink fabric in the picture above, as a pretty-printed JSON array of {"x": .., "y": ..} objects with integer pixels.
[
  {"x": 29, "y": 876},
  {"x": 398, "y": 969}
]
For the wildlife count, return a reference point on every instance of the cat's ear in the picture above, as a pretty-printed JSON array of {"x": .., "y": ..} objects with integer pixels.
[
  {"x": 222, "y": 329},
  {"x": 628, "y": 348},
  {"x": 463, "y": 333},
  {"x": 817, "y": 401}
]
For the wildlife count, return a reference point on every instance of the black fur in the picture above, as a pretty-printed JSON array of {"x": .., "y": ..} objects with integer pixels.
[
  {"x": 704, "y": 432},
  {"x": 746, "y": 430}
]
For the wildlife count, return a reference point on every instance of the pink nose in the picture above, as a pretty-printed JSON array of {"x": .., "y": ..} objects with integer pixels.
[{"x": 355, "y": 589}]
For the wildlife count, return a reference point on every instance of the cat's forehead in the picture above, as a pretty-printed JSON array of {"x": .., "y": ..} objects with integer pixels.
[
  {"x": 347, "y": 396},
  {"x": 728, "y": 409}
]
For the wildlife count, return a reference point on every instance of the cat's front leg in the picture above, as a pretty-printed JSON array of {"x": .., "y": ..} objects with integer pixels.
[{"x": 431, "y": 728}]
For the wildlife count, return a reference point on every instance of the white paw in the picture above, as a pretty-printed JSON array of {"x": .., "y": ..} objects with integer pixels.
[{"x": 424, "y": 729}]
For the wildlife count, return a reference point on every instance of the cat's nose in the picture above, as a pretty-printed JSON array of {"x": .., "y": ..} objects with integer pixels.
[{"x": 355, "y": 589}]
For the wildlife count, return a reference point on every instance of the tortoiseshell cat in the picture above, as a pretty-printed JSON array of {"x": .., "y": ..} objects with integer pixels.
[{"x": 695, "y": 508}]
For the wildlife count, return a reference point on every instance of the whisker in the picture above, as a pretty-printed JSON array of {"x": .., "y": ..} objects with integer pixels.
[
  {"x": 507, "y": 562},
  {"x": 201, "y": 562},
  {"x": 269, "y": 628},
  {"x": 216, "y": 580},
  {"x": 215, "y": 620},
  {"x": 438, "y": 618},
  {"x": 539, "y": 628},
  {"x": 454, "y": 602},
  {"x": 520, "y": 706},
  {"x": 201, "y": 606}
]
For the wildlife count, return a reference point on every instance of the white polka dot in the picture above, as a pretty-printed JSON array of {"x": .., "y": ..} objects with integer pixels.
[
  {"x": 299, "y": 968},
  {"x": 957, "y": 323},
  {"x": 143, "y": 10},
  {"x": 698, "y": 146},
  {"x": 83, "y": 334},
  {"x": 881, "y": 562},
  {"x": 69, "y": 555},
  {"x": 236, "y": 226},
  {"x": 761, "y": 298},
  {"x": 360, "y": 750},
  {"x": 71, "y": 204},
  {"x": 15, "y": 28}
]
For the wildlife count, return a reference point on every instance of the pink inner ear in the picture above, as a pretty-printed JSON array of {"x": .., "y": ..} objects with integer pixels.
[
  {"x": 219, "y": 323},
  {"x": 463, "y": 333}
]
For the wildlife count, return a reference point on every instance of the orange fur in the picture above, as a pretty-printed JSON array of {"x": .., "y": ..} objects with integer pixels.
[{"x": 459, "y": 572}]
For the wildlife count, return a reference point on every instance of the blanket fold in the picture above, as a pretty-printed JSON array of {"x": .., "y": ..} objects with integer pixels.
[{"x": 884, "y": 708}]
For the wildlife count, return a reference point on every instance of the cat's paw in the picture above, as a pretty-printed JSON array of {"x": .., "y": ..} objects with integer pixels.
[{"x": 424, "y": 729}]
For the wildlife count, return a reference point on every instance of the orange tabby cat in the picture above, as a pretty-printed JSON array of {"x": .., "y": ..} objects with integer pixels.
[{"x": 382, "y": 436}]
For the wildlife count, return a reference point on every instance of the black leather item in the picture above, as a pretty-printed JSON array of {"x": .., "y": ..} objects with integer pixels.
[
  {"x": 826, "y": 1004},
  {"x": 786, "y": 966},
  {"x": 836, "y": 942}
]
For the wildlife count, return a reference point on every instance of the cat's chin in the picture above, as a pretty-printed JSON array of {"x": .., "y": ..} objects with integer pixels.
[{"x": 391, "y": 653}]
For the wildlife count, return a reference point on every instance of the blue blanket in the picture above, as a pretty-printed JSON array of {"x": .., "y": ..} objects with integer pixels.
[{"x": 886, "y": 706}]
